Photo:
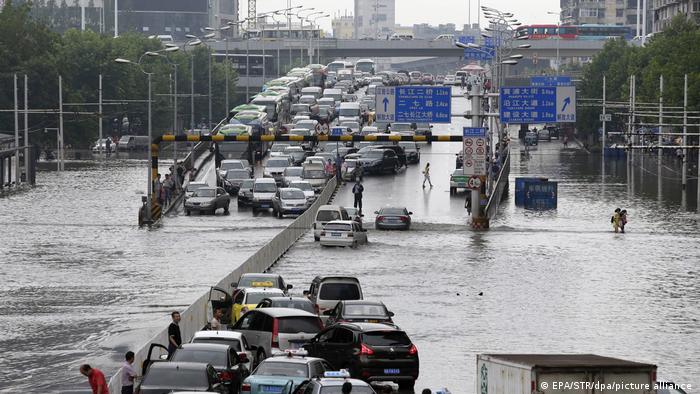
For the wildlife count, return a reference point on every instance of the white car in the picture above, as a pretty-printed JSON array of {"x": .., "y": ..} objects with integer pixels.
[
  {"x": 274, "y": 167},
  {"x": 305, "y": 187},
  {"x": 231, "y": 338},
  {"x": 263, "y": 191},
  {"x": 278, "y": 149},
  {"x": 343, "y": 233},
  {"x": 234, "y": 165}
]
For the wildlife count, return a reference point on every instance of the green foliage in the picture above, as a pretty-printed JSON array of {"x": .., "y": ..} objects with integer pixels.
[
  {"x": 28, "y": 46},
  {"x": 671, "y": 53}
]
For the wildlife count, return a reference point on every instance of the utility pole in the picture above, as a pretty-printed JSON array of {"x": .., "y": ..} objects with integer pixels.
[
  {"x": 602, "y": 144},
  {"x": 60, "y": 122},
  {"x": 476, "y": 122},
  {"x": 661, "y": 118},
  {"x": 684, "y": 180},
  {"x": 16, "y": 133},
  {"x": 209, "y": 123},
  {"x": 26, "y": 127},
  {"x": 100, "y": 109},
  {"x": 116, "y": 18}
]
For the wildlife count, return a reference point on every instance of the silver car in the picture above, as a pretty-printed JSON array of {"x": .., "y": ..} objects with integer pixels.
[
  {"x": 207, "y": 200},
  {"x": 273, "y": 330}
]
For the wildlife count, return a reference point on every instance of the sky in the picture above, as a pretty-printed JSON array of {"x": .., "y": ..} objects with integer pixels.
[{"x": 410, "y": 12}]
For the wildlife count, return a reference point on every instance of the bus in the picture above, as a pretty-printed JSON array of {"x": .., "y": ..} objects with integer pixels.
[
  {"x": 365, "y": 65},
  {"x": 574, "y": 32},
  {"x": 338, "y": 65}
]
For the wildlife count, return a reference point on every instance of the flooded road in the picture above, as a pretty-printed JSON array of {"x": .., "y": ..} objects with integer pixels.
[{"x": 81, "y": 283}]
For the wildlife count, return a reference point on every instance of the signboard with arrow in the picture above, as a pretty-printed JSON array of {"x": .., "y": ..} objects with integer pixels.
[
  {"x": 529, "y": 104},
  {"x": 413, "y": 104}
]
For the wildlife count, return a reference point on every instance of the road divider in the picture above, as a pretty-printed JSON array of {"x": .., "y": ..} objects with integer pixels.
[{"x": 196, "y": 315}]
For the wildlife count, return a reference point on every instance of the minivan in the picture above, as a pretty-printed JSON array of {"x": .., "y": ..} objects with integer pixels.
[
  {"x": 325, "y": 214},
  {"x": 350, "y": 112},
  {"x": 263, "y": 191},
  {"x": 336, "y": 94},
  {"x": 326, "y": 291},
  {"x": 312, "y": 91},
  {"x": 272, "y": 330}
]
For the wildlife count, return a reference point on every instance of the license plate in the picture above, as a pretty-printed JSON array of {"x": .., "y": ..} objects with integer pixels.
[
  {"x": 264, "y": 206},
  {"x": 335, "y": 234},
  {"x": 392, "y": 371},
  {"x": 271, "y": 389}
]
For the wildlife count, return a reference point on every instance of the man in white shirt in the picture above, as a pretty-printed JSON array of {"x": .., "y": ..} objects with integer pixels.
[
  {"x": 128, "y": 374},
  {"x": 215, "y": 322}
]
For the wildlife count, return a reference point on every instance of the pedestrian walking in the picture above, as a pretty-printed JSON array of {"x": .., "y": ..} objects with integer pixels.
[
  {"x": 426, "y": 176},
  {"x": 174, "y": 336},
  {"x": 108, "y": 146},
  {"x": 215, "y": 323},
  {"x": 615, "y": 220},
  {"x": 328, "y": 168},
  {"x": 566, "y": 141},
  {"x": 180, "y": 174},
  {"x": 357, "y": 190},
  {"x": 463, "y": 81},
  {"x": 169, "y": 188},
  {"x": 337, "y": 168},
  {"x": 623, "y": 220},
  {"x": 128, "y": 373},
  {"x": 96, "y": 378}
]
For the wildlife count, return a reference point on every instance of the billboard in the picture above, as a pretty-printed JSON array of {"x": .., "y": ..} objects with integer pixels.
[{"x": 164, "y": 5}]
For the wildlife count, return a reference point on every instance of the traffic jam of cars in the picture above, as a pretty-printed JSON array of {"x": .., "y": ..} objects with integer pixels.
[{"x": 271, "y": 340}]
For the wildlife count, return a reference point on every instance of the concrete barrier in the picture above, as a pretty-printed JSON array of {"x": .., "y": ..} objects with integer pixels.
[{"x": 196, "y": 315}]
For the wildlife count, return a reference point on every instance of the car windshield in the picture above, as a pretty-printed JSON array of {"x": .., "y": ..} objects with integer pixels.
[
  {"x": 247, "y": 184},
  {"x": 307, "y": 100},
  {"x": 237, "y": 174},
  {"x": 181, "y": 378},
  {"x": 349, "y": 112},
  {"x": 204, "y": 192},
  {"x": 304, "y": 305},
  {"x": 271, "y": 368},
  {"x": 296, "y": 108},
  {"x": 386, "y": 338},
  {"x": 279, "y": 147},
  {"x": 277, "y": 163},
  {"x": 265, "y": 187},
  {"x": 314, "y": 174},
  {"x": 305, "y": 186},
  {"x": 337, "y": 227},
  {"x": 257, "y": 281},
  {"x": 236, "y": 165},
  {"x": 327, "y": 216},
  {"x": 374, "y": 153},
  {"x": 305, "y": 124},
  {"x": 339, "y": 390},
  {"x": 298, "y": 324},
  {"x": 292, "y": 195},
  {"x": 392, "y": 211},
  {"x": 234, "y": 343},
  {"x": 192, "y": 188},
  {"x": 364, "y": 310},
  {"x": 293, "y": 171},
  {"x": 213, "y": 357},
  {"x": 340, "y": 291},
  {"x": 294, "y": 149},
  {"x": 255, "y": 298}
]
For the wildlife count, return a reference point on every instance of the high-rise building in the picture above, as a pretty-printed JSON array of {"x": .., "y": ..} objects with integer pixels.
[
  {"x": 664, "y": 11},
  {"x": 343, "y": 27},
  {"x": 374, "y": 18},
  {"x": 603, "y": 12}
]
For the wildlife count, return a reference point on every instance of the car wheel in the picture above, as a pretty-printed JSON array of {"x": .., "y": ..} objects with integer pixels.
[
  {"x": 260, "y": 356},
  {"x": 407, "y": 385},
  {"x": 187, "y": 212},
  {"x": 226, "y": 209}
]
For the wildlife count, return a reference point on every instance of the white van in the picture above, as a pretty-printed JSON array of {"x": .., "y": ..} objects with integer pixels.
[
  {"x": 263, "y": 191},
  {"x": 326, "y": 292},
  {"x": 336, "y": 94},
  {"x": 349, "y": 112},
  {"x": 325, "y": 214},
  {"x": 312, "y": 91}
]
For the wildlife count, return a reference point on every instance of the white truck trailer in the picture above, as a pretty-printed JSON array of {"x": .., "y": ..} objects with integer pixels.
[{"x": 562, "y": 373}]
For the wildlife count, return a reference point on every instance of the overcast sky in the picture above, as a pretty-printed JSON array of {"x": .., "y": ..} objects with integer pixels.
[{"x": 410, "y": 12}]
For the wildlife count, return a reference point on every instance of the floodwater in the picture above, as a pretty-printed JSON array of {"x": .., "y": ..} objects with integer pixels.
[{"x": 81, "y": 283}]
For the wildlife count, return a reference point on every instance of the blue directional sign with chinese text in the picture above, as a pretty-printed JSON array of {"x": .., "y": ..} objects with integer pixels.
[
  {"x": 413, "y": 104},
  {"x": 538, "y": 105},
  {"x": 548, "y": 80},
  {"x": 484, "y": 53},
  {"x": 337, "y": 131}
]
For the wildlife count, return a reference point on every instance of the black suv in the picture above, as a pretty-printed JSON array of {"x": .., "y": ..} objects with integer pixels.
[
  {"x": 378, "y": 161},
  {"x": 370, "y": 351},
  {"x": 399, "y": 151}
]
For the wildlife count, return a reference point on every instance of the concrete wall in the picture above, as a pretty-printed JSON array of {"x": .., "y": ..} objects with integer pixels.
[{"x": 195, "y": 316}]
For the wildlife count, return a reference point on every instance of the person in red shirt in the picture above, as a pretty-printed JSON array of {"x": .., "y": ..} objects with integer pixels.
[{"x": 96, "y": 379}]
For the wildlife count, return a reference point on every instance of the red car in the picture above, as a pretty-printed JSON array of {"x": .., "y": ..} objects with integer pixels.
[{"x": 427, "y": 79}]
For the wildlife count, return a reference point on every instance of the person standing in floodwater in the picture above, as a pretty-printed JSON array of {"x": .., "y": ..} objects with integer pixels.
[
  {"x": 615, "y": 220},
  {"x": 623, "y": 220}
]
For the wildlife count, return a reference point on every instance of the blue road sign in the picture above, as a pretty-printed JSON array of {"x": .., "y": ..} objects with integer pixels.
[
  {"x": 337, "y": 131},
  {"x": 474, "y": 132},
  {"x": 541, "y": 195},
  {"x": 547, "y": 80},
  {"x": 414, "y": 104},
  {"x": 538, "y": 105},
  {"x": 476, "y": 54}
]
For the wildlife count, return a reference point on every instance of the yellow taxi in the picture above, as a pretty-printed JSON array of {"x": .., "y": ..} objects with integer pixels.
[{"x": 248, "y": 298}]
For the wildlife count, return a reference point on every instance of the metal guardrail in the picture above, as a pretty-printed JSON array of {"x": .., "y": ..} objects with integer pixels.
[
  {"x": 196, "y": 315},
  {"x": 501, "y": 186}
]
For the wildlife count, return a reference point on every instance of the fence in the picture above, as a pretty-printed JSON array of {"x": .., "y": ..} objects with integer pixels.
[{"x": 196, "y": 315}]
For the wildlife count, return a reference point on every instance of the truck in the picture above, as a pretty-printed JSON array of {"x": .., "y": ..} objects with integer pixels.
[{"x": 558, "y": 373}]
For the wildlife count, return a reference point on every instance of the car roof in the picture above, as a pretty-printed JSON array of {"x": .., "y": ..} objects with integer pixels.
[
  {"x": 294, "y": 359},
  {"x": 340, "y": 222},
  {"x": 285, "y": 312},
  {"x": 320, "y": 278},
  {"x": 206, "y": 346},
  {"x": 362, "y": 302},
  {"x": 178, "y": 365},
  {"x": 259, "y": 275},
  {"x": 288, "y": 298},
  {"x": 370, "y": 327},
  {"x": 218, "y": 334},
  {"x": 264, "y": 180},
  {"x": 341, "y": 381},
  {"x": 262, "y": 290},
  {"x": 388, "y": 207}
]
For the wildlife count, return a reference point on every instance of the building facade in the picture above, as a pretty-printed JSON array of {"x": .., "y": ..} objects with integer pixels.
[
  {"x": 665, "y": 10},
  {"x": 604, "y": 12},
  {"x": 374, "y": 18},
  {"x": 343, "y": 27}
]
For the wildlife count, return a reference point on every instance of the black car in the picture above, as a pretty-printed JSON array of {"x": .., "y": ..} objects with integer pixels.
[
  {"x": 165, "y": 377},
  {"x": 224, "y": 358},
  {"x": 377, "y": 161},
  {"x": 359, "y": 311},
  {"x": 245, "y": 192},
  {"x": 369, "y": 351},
  {"x": 412, "y": 151},
  {"x": 399, "y": 150},
  {"x": 235, "y": 178}
]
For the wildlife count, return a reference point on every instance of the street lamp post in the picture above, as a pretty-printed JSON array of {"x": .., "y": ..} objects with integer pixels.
[
  {"x": 228, "y": 65},
  {"x": 318, "y": 38},
  {"x": 174, "y": 65},
  {"x": 247, "y": 57},
  {"x": 301, "y": 28},
  {"x": 201, "y": 41}
]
